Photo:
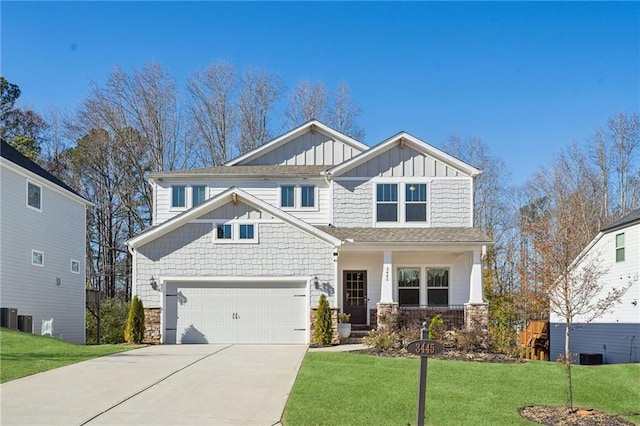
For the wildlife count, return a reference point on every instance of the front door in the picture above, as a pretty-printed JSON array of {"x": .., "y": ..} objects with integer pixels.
[{"x": 355, "y": 295}]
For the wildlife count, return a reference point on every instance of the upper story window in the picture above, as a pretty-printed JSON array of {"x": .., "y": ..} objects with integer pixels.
[
  {"x": 287, "y": 196},
  {"x": 224, "y": 232},
  {"x": 409, "y": 286},
  {"x": 75, "y": 266},
  {"x": 387, "y": 202},
  {"x": 308, "y": 196},
  {"x": 34, "y": 196},
  {"x": 246, "y": 231},
  {"x": 235, "y": 232},
  {"x": 37, "y": 258},
  {"x": 620, "y": 247},
  {"x": 416, "y": 202},
  {"x": 178, "y": 198},
  {"x": 438, "y": 287},
  {"x": 198, "y": 195}
]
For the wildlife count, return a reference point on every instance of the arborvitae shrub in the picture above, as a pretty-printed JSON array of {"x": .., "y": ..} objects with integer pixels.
[
  {"x": 436, "y": 328},
  {"x": 134, "y": 331},
  {"x": 323, "y": 331}
]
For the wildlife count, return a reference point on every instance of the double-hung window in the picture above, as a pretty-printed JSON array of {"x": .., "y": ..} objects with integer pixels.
[
  {"x": 438, "y": 287},
  {"x": 409, "y": 286},
  {"x": 287, "y": 196},
  {"x": 620, "y": 247},
  {"x": 34, "y": 196},
  {"x": 197, "y": 195},
  {"x": 416, "y": 202},
  {"x": 308, "y": 196},
  {"x": 178, "y": 198},
  {"x": 387, "y": 202}
]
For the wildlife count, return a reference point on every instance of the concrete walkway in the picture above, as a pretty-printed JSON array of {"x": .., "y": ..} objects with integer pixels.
[{"x": 160, "y": 385}]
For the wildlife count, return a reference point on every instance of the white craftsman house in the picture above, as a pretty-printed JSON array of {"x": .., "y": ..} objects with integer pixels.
[
  {"x": 42, "y": 249},
  {"x": 242, "y": 252},
  {"x": 614, "y": 337}
]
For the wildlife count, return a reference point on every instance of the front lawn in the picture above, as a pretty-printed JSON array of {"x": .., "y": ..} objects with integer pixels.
[
  {"x": 355, "y": 389},
  {"x": 23, "y": 354}
]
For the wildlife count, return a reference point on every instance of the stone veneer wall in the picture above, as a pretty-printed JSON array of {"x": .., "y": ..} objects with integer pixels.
[
  {"x": 385, "y": 310},
  {"x": 450, "y": 202},
  {"x": 352, "y": 203},
  {"x": 151, "y": 326},
  {"x": 334, "y": 325},
  {"x": 476, "y": 315}
]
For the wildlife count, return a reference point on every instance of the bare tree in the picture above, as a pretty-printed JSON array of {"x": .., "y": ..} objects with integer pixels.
[
  {"x": 343, "y": 112},
  {"x": 259, "y": 91},
  {"x": 308, "y": 101},
  {"x": 213, "y": 110},
  {"x": 624, "y": 133}
]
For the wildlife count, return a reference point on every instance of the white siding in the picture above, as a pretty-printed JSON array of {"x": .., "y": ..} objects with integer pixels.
[
  {"x": 309, "y": 149},
  {"x": 59, "y": 232},
  {"x": 268, "y": 191}
]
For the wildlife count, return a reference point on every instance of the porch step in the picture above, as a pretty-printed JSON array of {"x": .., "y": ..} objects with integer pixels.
[{"x": 356, "y": 335}]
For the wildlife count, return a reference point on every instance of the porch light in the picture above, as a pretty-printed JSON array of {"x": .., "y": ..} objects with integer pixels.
[
  {"x": 316, "y": 283},
  {"x": 153, "y": 283}
]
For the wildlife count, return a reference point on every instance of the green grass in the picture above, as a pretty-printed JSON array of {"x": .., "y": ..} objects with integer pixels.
[
  {"x": 353, "y": 389},
  {"x": 23, "y": 354}
]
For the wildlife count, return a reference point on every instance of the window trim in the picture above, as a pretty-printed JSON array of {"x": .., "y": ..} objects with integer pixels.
[
  {"x": 407, "y": 186},
  {"x": 620, "y": 248},
  {"x": 280, "y": 190},
  {"x": 402, "y": 183},
  {"x": 41, "y": 253},
  {"x": 183, "y": 207},
  {"x": 396, "y": 202},
  {"x": 38, "y": 209},
  {"x": 419, "y": 287},
  {"x": 427, "y": 288},
  {"x": 235, "y": 232},
  {"x": 71, "y": 266},
  {"x": 193, "y": 192},
  {"x": 297, "y": 197}
]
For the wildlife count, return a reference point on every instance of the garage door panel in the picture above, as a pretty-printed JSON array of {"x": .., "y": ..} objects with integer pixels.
[{"x": 242, "y": 313}]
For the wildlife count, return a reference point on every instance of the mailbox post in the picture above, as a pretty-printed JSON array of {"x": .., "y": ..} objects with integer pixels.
[{"x": 424, "y": 348}]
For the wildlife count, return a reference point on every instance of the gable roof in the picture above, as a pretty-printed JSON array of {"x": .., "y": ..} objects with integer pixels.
[
  {"x": 309, "y": 126},
  {"x": 219, "y": 200},
  {"x": 403, "y": 138},
  {"x": 409, "y": 235},
  {"x": 629, "y": 219},
  {"x": 16, "y": 157}
]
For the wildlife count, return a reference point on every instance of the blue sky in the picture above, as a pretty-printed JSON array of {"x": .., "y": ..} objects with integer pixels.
[{"x": 527, "y": 78}]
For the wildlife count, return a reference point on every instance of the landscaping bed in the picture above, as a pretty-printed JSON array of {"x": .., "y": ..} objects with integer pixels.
[{"x": 562, "y": 416}]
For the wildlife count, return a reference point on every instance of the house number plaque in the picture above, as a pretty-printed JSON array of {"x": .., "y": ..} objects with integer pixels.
[{"x": 423, "y": 348}]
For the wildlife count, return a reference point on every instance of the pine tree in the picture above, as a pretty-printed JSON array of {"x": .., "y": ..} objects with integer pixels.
[{"x": 323, "y": 330}]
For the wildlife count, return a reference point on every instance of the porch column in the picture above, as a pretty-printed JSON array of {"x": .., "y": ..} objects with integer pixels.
[
  {"x": 475, "y": 282},
  {"x": 386, "y": 287}
]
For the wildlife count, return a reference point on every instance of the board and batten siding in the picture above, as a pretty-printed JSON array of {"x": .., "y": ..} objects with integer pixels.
[
  {"x": 190, "y": 251},
  {"x": 619, "y": 329},
  {"x": 58, "y": 230},
  {"x": 309, "y": 149},
  {"x": 266, "y": 190},
  {"x": 403, "y": 162}
]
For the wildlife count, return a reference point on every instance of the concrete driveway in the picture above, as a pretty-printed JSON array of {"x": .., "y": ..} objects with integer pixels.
[{"x": 160, "y": 385}]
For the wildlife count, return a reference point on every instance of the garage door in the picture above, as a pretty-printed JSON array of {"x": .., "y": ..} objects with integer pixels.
[{"x": 237, "y": 313}]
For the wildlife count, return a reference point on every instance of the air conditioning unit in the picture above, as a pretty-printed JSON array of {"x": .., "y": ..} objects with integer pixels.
[
  {"x": 590, "y": 359},
  {"x": 9, "y": 318},
  {"x": 25, "y": 323}
]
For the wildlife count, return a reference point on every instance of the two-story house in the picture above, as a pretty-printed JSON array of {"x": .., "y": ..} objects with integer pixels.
[
  {"x": 42, "y": 247},
  {"x": 613, "y": 337},
  {"x": 242, "y": 252}
]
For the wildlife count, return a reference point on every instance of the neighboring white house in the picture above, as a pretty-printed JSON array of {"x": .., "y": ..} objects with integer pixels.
[
  {"x": 614, "y": 336},
  {"x": 242, "y": 252},
  {"x": 42, "y": 247}
]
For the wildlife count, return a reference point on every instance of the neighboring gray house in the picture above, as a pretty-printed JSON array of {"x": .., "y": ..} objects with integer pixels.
[
  {"x": 42, "y": 247},
  {"x": 242, "y": 252},
  {"x": 614, "y": 336}
]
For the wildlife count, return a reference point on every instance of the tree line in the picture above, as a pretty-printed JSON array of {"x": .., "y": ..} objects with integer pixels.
[{"x": 141, "y": 121}]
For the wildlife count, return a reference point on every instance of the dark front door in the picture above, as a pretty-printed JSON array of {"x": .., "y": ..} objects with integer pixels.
[{"x": 355, "y": 295}]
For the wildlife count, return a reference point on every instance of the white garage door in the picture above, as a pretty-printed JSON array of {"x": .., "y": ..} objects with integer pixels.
[{"x": 238, "y": 313}]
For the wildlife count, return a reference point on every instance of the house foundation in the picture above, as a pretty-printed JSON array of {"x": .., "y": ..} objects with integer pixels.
[{"x": 151, "y": 326}]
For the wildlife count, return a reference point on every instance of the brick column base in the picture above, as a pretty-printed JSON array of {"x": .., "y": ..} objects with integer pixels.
[
  {"x": 387, "y": 315},
  {"x": 476, "y": 316},
  {"x": 151, "y": 326}
]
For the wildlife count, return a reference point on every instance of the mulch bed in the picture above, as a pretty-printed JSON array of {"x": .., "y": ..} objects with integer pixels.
[
  {"x": 562, "y": 416},
  {"x": 447, "y": 354}
]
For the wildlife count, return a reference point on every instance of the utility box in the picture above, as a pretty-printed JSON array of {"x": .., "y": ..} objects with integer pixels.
[
  {"x": 25, "y": 323},
  {"x": 9, "y": 318},
  {"x": 590, "y": 359}
]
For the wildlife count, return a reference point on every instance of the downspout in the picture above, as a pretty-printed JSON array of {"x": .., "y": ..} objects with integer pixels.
[{"x": 329, "y": 181}]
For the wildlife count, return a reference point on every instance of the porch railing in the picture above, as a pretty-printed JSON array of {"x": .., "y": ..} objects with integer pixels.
[{"x": 452, "y": 315}]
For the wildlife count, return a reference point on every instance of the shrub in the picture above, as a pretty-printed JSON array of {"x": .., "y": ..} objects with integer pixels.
[
  {"x": 134, "y": 331},
  {"x": 381, "y": 339},
  {"x": 344, "y": 318},
  {"x": 113, "y": 318},
  {"x": 436, "y": 328},
  {"x": 323, "y": 330}
]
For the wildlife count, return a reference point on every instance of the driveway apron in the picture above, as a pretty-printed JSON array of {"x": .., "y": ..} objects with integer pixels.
[{"x": 160, "y": 385}]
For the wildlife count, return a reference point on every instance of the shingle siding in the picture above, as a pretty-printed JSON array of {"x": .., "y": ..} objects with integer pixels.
[
  {"x": 352, "y": 203},
  {"x": 450, "y": 202},
  {"x": 190, "y": 251}
]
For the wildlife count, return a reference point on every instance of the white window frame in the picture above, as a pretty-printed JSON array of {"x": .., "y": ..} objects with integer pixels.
[
  {"x": 620, "y": 247},
  {"x": 235, "y": 232},
  {"x": 297, "y": 197},
  {"x": 41, "y": 253},
  {"x": 192, "y": 193},
  {"x": 402, "y": 201},
  {"x": 420, "y": 282},
  {"x": 396, "y": 202},
  {"x": 427, "y": 288},
  {"x": 77, "y": 262},
  {"x": 186, "y": 198},
  {"x": 40, "y": 196}
]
